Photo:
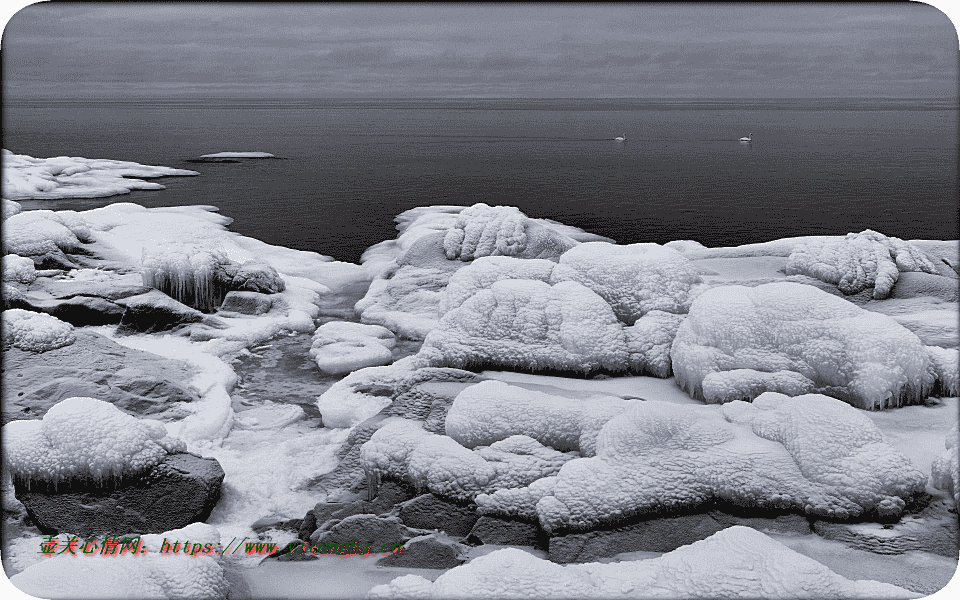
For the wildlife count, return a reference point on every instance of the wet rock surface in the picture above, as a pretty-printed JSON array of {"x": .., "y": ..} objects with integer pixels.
[{"x": 427, "y": 552}]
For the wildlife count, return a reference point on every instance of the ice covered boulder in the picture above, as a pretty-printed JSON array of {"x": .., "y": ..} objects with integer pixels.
[
  {"x": 363, "y": 393},
  {"x": 634, "y": 279},
  {"x": 945, "y": 364},
  {"x": 859, "y": 261},
  {"x": 528, "y": 324},
  {"x": 29, "y": 235},
  {"x": 649, "y": 340},
  {"x": 10, "y": 208},
  {"x": 194, "y": 574},
  {"x": 483, "y": 230},
  {"x": 18, "y": 269},
  {"x": 737, "y": 562},
  {"x": 35, "y": 332},
  {"x": 257, "y": 276},
  {"x": 945, "y": 471},
  {"x": 811, "y": 454},
  {"x": 487, "y": 270},
  {"x": 864, "y": 358},
  {"x": 341, "y": 347},
  {"x": 404, "y": 300}
]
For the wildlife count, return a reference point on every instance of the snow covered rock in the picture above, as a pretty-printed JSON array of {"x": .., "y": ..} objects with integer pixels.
[
  {"x": 945, "y": 471},
  {"x": 859, "y": 261},
  {"x": 186, "y": 575},
  {"x": 35, "y": 332},
  {"x": 485, "y": 271},
  {"x": 529, "y": 324},
  {"x": 18, "y": 269},
  {"x": 737, "y": 562},
  {"x": 342, "y": 347},
  {"x": 649, "y": 341},
  {"x": 84, "y": 439},
  {"x": 863, "y": 358},
  {"x": 404, "y": 300},
  {"x": 482, "y": 230},
  {"x": 25, "y": 177},
  {"x": 27, "y": 234},
  {"x": 812, "y": 454},
  {"x": 246, "y": 303},
  {"x": 10, "y": 208},
  {"x": 257, "y": 276},
  {"x": 634, "y": 279}
]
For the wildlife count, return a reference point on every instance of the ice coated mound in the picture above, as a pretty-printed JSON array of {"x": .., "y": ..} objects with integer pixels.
[
  {"x": 859, "y": 261},
  {"x": 10, "y": 208},
  {"x": 19, "y": 269},
  {"x": 35, "y": 332},
  {"x": 402, "y": 449},
  {"x": 945, "y": 472},
  {"x": 84, "y": 439},
  {"x": 811, "y": 454},
  {"x": 25, "y": 177},
  {"x": 341, "y": 347},
  {"x": 39, "y": 232},
  {"x": 529, "y": 324},
  {"x": 737, "y": 562},
  {"x": 487, "y": 270},
  {"x": 150, "y": 575},
  {"x": 738, "y": 341},
  {"x": 482, "y": 230},
  {"x": 634, "y": 279},
  {"x": 404, "y": 300}
]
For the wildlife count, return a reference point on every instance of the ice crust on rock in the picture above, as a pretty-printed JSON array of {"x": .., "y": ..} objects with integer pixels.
[
  {"x": 812, "y": 454},
  {"x": 341, "y": 347},
  {"x": 483, "y": 230},
  {"x": 18, "y": 269},
  {"x": 945, "y": 363},
  {"x": 737, "y": 562},
  {"x": 485, "y": 271},
  {"x": 945, "y": 471},
  {"x": 649, "y": 341},
  {"x": 152, "y": 575},
  {"x": 25, "y": 177},
  {"x": 404, "y": 300},
  {"x": 633, "y": 279},
  {"x": 35, "y": 332},
  {"x": 532, "y": 325},
  {"x": 84, "y": 439},
  {"x": 859, "y": 261},
  {"x": 864, "y": 358}
]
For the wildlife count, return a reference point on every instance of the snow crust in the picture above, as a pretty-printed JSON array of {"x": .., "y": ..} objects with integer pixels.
[
  {"x": 35, "y": 332},
  {"x": 18, "y": 269},
  {"x": 25, "y": 177},
  {"x": 150, "y": 575},
  {"x": 812, "y": 454},
  {"x": 341, "y": 347},
  {"x": 861, "y": 357},
  {"x": 84, "y": 439},
  {"x": 859, "y": 261},
  {"x": 737, "y": 562}
]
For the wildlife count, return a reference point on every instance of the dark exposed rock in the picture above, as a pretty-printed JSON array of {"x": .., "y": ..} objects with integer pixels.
[
  {"x": 108, "y": 290},
  {"x": 182, "y": 489},
  {"x": 430, "y": 512},
  {"x": 494, "y": 530},
  {"x": 782, "y": 524},
  {"x": 79, "y": 311},
  {"x": 362, "y": 528},
  {"x": 246, "y": 303},
  {"x": 426, "y": 552},
  {"x": 653, "y": 535},
  {"x": 153, "y": 312},
  {"x": 326, "y": 514}
]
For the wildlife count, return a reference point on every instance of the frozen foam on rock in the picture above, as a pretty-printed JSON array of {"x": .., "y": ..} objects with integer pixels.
[
  {"x": 84, "y": 439},
  {"x": 633, "y": 279},
  {"x": 737, "y": 562},
  {"x": 341, "y": 347},
  {"x": 945, "y": 471},
  {"x": 811, "y": 454},
  {"x": 189, "y": 274},
  {"x": 25, "y": 177},
  {"x": 152, "y": 575},
  {"x": 864, "y": 358},
  {"x": 238, "y": 155},
  {"x": 519, "y": 323},
  {"x": 487, "y": 270},
  {"x": 945, "y": 363},
  {"x": 35, "y": 332},
  {"x": 18, "y": 269},
  {"x": 859, "y": 261},
  {"x": 482, "y": 230}
]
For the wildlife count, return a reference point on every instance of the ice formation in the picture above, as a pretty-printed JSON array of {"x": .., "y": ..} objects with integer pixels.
[
  {"x": 195, "y": 276},
  {"x": 945, "y": 471},
  {"x": 518, "y": 323},
  {"x": 35, "y": 332},
  {"x": 945, "y": 363},
  {"x": 487, "y": 270},
  {"x": 341, "y": 347},
  {"x": 404, "y": 300},
  {"x": 812, "y": 454},
  {"x": 863, "y": 358},
  {"x": 25, "y": 177},
  {"x": 859, "y": 261},
  {"x": 483, "y": 230},
  {"x": 84, "y": 439},
  {"x": 649, "y": 341},
  {"x": 193, "y": 574},
  {"x": 491, "y": 411},
  {"x": 18, "y": 269},
  {"x": 737, "y": 562},
  {"x": 402, "y": 449},
  {"x": 634, "y": 279}
]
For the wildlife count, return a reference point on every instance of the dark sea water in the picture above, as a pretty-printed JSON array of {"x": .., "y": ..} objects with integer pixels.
[{"x": 814, "y": 167}]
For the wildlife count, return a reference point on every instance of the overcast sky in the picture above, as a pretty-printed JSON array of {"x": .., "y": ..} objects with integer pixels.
[{"x": 535, "y": 50}]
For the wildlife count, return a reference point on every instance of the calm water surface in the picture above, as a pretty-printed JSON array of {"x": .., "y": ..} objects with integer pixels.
[{"x": 814, "y": 166}]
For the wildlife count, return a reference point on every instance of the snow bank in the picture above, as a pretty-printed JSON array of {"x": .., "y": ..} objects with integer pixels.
[
  {"x": 945, "y": 471},
  {"x": 129, "y": 576},
  {"x": 634, "y": 279},
  {"x": 35, "y": 332},
  {"x": 84, "y": 439},
  {"x": 859, "y": 261},
  {"x": 528, "y": 324},
  {"x": 737, "y": 562},
  {"x": 863, "y": 358},
  {"x": 341, "y": 347},
  {"x": 482, "y": 230},
  {"x": 239, "y": 155},
  {"x": 25, "y": 177},
  {"x": 812, "y": 454},
  {"x": 19, "y": 269}
]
